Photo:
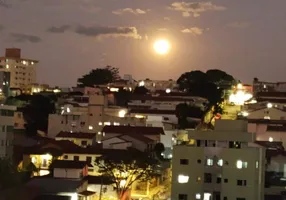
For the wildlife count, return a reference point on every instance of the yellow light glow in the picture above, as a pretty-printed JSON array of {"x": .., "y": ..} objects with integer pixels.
[
  {"x": 122, "y": 113},
  {"x": 161, "y": 47}
]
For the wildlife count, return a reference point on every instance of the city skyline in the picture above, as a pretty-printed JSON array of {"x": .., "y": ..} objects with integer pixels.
[{"x": 71, "y": 37}]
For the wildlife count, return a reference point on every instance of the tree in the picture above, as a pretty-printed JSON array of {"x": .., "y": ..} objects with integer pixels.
[
  {"x": 122, "y": 97},
  {"x": 159, "y": 149},
  {"x": 9, "y": 174},
  {"x": 141, "y": 90},
  {"x": 126, "y": 167},
  {"x": 185, "y": 111},
  {"x": 36, "y": 114},
  {"x": 99, "y": 76},
  {"x": 207, "y": 85}
]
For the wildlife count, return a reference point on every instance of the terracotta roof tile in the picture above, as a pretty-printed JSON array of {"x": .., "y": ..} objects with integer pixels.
[
  {"x": 143, "y": 130},
  {"x": 80, "y": 135}
]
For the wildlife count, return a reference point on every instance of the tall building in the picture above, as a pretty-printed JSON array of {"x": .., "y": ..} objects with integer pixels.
[
  {"x": 6, "y": 130},
  {"x": 22, "y": 70},
  {"x": 223, "y": 164}
]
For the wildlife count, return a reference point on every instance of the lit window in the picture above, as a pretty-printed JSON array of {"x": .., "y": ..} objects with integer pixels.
[
  {"x": 122, "y": 113},
  {"x": 207, "y": 196},
  {"x": 90, "y": 127},
  {"x": 240, "y": 164},
  {"x": 256, "y": 164},
  {"x": 116, "y": 123},
  {"x": 100, "y": 123},
  {"x": 7, "y": 66},
  {"x": 270, "y": 139},
  {"x": 220, "y": 162},
  {"x": 107, "y": 123},
  {"x": 269, "y": 105},
  {"x": 210, "y": 162},
  {"x": 198, "y": 196},
  {"x": 183, "y": 179}
]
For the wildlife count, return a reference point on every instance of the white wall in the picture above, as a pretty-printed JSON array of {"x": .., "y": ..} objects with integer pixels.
[{"x": 67, "y": 173}]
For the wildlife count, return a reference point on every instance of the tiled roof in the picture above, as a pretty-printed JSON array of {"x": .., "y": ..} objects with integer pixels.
[
  {"x": 143, "y": 130},
  {"x": 266, "y": 121},
  {"x": 276, "y": 128},
  {"x": 79, "y": 135},
  {"x": 163, "y": 98},
  {"x": 141, "y": 138},
  {"x": 69, "y": 164},
  {"x": 153, "y": 111}
]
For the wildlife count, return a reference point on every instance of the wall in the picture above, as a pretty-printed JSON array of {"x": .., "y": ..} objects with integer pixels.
[
  {"x": 67, "y": 173},
  {"x": 273, "y": 113}
]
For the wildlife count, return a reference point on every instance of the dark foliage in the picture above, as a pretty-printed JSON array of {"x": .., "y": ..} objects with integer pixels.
[
  {"x": 99, "y": 76},
  {"x": 141, "y": 90}
]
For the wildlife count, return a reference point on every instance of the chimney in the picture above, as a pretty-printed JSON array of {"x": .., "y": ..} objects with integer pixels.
[{"x": 13, "y": 53}]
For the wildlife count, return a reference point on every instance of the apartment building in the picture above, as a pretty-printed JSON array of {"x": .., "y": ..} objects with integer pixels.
[
  {"x": 221, "y": 164},
  {"x": 6, "y": 130},
  {"x": 22, "y": 70}
]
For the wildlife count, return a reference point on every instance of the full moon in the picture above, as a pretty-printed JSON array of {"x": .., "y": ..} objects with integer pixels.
[{"x": 161, "y": 47}]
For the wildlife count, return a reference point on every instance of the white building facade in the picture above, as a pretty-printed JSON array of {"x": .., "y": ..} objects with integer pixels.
[
  {"x": 6, "y": 130},
  {"x": 22, "y": 70},
  {"x": 221, "y": 164}
]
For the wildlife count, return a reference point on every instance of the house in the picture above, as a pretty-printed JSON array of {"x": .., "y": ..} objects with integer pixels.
[
  {"x": 82, "y": 139},
  {"x": 69, "y": 169},
  {"x": 125, "y": 141},
  {"x": 58, "y": 187},
  {"x": 268, "y": 130},
  {"x": 149, "y": 132}
]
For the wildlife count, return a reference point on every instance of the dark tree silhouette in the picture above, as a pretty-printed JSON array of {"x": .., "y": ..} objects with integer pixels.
[
  {"x": 141, "y": 90},
  {"x": 122, "y": 97},
  {"x": 99, "y": 76},
  {"x": 206, "y": 85}
]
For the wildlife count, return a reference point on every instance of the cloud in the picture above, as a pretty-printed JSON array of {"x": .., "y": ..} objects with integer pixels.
[
  {"x": 4, "y": 4},
  {"x": 195, "y": 8},
  {"x": 60, "y": 29},
  {"x": 129, "y": 10},
  {"x": 240, "y": 25},
  {"x": 20, "y": 37},
  {"x": 193, "y": 30},
  {"x": 102, "y": 31}
]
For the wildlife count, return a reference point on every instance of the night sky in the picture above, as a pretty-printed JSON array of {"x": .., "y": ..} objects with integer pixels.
[{"x": 246, "y": 38}]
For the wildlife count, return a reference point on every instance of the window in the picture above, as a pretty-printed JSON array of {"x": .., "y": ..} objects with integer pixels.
[
  {"x": 241, "y": 182},
  {"x": 84, "y": 142},
  {"x": 234, "y": 145},
  {"x": 218, "y": 180},
  {"x": 240, "y": 198},
  {"x": 220, "y": 162},
  {"x": 183, "y": 178},
  {"x": 76, "y": 158},
  {"x": 210, "y": 162},
  {"x": 240, "y": 164},
  {"x": 183, "y": 197},
  {"x": 256, "y": 164},
  {"x": 198, "y": 143},
  {"x": 224, "y": 198},
  {"x": 198, "y": 196},
  {"x": 66, "y": 157},
  {"x": 88, "y": 159},
  {"x": 207, "y": 177},
  {"x": 199, "y": 161},
  {"x": 184, "y": 161},
  {"x": 226, "y": 180},
  {"x": 166, "y": 118}
]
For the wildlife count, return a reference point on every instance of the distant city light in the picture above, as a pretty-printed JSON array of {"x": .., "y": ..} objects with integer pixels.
[
  {"x": 141, "y": 83},
  {"x": 168, "y": 90},
  {"x": 122, "y": 113},
  {"x": 114, "y": 89},
  {"x": 90, "y": 127},
  {"x": 269, "y": 105},
  {"x": 240, "y": 97},
  {"x": 239, "y": 86},
  {"x": 270, "y": 139},
  {"x": 245, "y": 114}
]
